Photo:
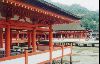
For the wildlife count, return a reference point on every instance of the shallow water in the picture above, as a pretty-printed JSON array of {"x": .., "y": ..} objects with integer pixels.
[{"x": 84, "y": 56}]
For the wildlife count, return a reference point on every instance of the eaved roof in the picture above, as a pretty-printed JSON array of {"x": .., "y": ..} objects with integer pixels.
[
  {"x": 48, "y": 6},
  {"x": 71, "y": 26}
]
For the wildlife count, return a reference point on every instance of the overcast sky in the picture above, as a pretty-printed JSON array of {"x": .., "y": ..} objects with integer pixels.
[{"x": 92, "y": 5}]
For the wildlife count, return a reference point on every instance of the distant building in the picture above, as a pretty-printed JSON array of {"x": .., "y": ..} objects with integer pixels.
[{"x": 72, "y": 30}]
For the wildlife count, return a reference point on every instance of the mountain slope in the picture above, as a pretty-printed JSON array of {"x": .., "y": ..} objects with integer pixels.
[{"x": 90, "y": 19}]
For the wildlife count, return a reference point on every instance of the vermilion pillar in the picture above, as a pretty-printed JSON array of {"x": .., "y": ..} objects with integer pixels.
[
  {"x": 11, "y": 38},
  {"x": 17, "y": 38},
  {"x": 1, "y": 38},
  {"x": 29, "y": 39},
  {"x": 66, "y": 35},
  {"x": 74, "y": 34},
  {"x": 86, "y": 35},
  {"x": 22, "y": 35},
  {"x": 51, "y": 43},
  {"x": 50, "y": 37},
  {"x": 7, "y": 41},
  {"x": 34, "y": 40},
  {"x": 81, "y": 35}
]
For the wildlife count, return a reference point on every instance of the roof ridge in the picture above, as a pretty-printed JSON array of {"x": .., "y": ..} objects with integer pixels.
[{"x": 68, "y": 12}]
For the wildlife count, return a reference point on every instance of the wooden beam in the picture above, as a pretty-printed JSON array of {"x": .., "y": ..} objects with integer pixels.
[
  {"x": 3, "y": 24},
  {"x": 20, "y": 25},
  {"x": 41, "y": 25},
  {"x": 16, "y": 24},
  {"x": 42, "y": 29}
]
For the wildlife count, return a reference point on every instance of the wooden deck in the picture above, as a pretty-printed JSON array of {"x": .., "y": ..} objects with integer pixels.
[{"x": 36, "y": 57}]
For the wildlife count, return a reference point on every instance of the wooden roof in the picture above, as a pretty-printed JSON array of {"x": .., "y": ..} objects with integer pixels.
[
  {"x": 49, "y": 6},
  {"x": 38, "y": 11}
]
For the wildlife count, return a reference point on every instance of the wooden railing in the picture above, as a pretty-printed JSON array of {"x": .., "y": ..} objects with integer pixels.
[{"x": 37, "y": 57}]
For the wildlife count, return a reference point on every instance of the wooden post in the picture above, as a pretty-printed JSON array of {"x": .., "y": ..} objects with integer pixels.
[
  {"x": 11, "y": 38},
  {"x": 45, "y": 37},
  {"x": 74, "y": 34},
  {"x": 51, "y": 43},
  {"x": 81, "y": 35},
  {"x": 1, "y": 38},
  {"x": 62, "y": 54},
  {"x": 66, "y": 35},
  {"x": 26, "y": 57},
  {"x": 61, "y": 36},
  {"x": 34, "y": 39},
  {"x": 7, "y": 41},
  {"x": 84, "y": 35},
  {"x": 71, "y": 54},
  {"x": 29, "y": 39},
  {"x": 22, "y": 36},
  {"x": 17, "y": 38}
]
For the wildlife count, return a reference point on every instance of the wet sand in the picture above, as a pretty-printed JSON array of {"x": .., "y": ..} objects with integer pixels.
[{"x": 84, "y": 55}]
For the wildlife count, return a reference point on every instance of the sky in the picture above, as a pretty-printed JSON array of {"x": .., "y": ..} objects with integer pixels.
[{"x": 92, "y": 5}]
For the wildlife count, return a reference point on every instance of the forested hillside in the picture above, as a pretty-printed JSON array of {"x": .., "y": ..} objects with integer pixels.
[{"x": 90, "y": 19}]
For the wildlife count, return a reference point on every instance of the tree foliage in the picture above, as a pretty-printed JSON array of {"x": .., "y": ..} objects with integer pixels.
[{"x": 90, "y": 19}]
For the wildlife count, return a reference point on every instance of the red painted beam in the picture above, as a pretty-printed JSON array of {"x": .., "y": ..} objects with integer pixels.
[
  {"x": 43, "y": 29},
  {"x": 16, "y": 24},
  {"x": 41, "y": 25}
]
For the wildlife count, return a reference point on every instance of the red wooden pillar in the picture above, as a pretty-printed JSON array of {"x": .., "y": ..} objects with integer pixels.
[
  {"x": 45, "y": 38},
  {"x": 11, "y": 38},
  {"x": 17, "y": 38},
  {"x": 7, "y": 41},
  {"x": 40, "y": 36},
  {"x": 1, "y": 38},
  {"x": 29, "y": 39},
  {"x": 26, "y": 57},
  {"x": 34, "y": 40},
  {"x": 17, "y": 35},
  {"x": 81, "y": 35},
  {"x": 74, "y": 34},
  {"x": 22, "y": 35},
  {"x": 51, "y": 43},
  {"x": 50, "y": 38},
  {"x": 85, "y": 35},
  {"x": 60, "y": 35},
  {"x": 66, "y": 34}
]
